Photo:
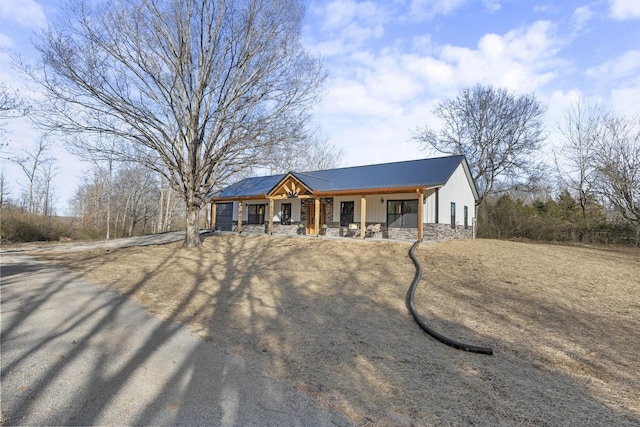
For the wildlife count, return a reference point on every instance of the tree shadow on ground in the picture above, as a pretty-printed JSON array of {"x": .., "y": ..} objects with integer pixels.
[{"x": 294, "y": 312}]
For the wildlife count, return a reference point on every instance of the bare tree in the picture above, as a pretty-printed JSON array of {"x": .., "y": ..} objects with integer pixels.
[
  {"x": 101, "y": 153},
  {"x": 137, "y": 196},
  {"x": 133, "y": 192},
  {"x": 617, "y": 161},
  {"x": 313, "y": 153},
  {"x": 167, "y": 207},
  {"x": 323, "y": 155},
  {"x": 196, "y": 90},
  {"x": 11, "y": 106},
  {"x": 498, "y": 132},
  {"x": 581, "y": 129},
  {"x": 3, "y": 192},
  {"x": 46, "y": 193},
  {"x": 38, "y": 167}
]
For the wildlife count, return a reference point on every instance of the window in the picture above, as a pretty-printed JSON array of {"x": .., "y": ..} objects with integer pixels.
[
  {"x": 256, "y": 214},
  {"x": 346, "y": 213},
  {"x": 466, "y": 217},
  {"x": 402, "y": 213},
  {"x": 453, "y": 215},
  {"x": 285, "y": 214}
]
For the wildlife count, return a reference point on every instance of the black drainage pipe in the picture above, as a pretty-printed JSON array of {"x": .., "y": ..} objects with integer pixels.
[{"x": 423, "y": 324}]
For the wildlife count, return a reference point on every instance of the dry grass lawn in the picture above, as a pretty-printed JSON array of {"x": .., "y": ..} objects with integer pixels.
[{"x": 330, "y": 316}]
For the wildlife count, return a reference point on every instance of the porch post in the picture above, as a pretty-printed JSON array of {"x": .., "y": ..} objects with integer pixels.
[
  {"x": 270, "y": 216},
  {"x": 240, "y": 216},
  {"x": 420, "y": 214},
  {"x": 317, "y": 216},
  {"x": 363, "y": 216},
  {"x": 212, "y": 220}
]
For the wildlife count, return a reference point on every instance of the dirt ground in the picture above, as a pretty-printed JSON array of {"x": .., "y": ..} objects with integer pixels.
[{"x": 330, "y": 316}]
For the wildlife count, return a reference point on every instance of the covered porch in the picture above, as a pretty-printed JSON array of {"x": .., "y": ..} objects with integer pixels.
[{"x": 291, "y": 207}]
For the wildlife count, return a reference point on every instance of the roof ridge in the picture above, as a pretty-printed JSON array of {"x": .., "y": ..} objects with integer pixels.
[
  {"x": 309, "y": 174},
  {"x": 387, "y": 163}
]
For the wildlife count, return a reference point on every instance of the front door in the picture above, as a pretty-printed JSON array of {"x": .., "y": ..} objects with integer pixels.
[{"x": 311, "y": 218}]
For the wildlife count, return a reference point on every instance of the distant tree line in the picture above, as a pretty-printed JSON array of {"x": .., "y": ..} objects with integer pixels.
[
  {"x": 125, "y": 201},
  {"x": 560, "y": 220},
  {"x": 597, "y": 166}
]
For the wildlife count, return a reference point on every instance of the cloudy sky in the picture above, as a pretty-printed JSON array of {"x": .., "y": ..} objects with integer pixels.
[{"x": 391, "y": 62}]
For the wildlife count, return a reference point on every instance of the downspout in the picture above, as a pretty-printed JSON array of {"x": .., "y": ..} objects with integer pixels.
[{"x": 438, "y": 205}]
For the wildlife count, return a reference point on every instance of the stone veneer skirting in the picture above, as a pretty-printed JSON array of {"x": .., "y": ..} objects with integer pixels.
[{"x": 433, "y": 232}]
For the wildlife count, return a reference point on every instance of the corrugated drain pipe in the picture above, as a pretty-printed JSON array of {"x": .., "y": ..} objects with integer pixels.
[{"x": 423, "y": 324}]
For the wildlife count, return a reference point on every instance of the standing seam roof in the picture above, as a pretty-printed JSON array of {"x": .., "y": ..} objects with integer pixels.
[{"x": 430, "y": 172}]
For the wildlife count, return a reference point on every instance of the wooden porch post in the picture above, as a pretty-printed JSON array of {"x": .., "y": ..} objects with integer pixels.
[
  {"x": 240, "y": 216},
  {"x": 270, "y": 216},
  {"x": 363, "y": 216},
  {"x": 212, "y": 220},
  {"x": 317, "y": 216},
  {"x": 420, "y": 214}
]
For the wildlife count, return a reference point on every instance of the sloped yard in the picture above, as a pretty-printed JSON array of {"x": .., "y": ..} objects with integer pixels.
[{"x": 330, "y": 317}]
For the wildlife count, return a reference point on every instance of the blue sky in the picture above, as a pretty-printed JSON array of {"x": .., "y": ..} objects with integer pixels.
[{"x": 391, "y": 62}]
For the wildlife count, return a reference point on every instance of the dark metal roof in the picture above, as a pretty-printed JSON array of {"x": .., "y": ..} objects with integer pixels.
[
  {"x": 431, "y": 172},
  {"x": 251, "y": 186}
]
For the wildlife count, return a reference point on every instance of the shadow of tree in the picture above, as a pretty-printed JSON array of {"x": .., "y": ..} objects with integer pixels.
[
  {"x": 100, "y": 359},
  {"x": 281, "y": 317}
]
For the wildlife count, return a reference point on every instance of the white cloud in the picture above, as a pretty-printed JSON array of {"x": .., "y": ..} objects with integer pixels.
[
  {"x": 625, "y": 65},
  {"x": 492, "y": 5},
  {"x": 349, "y": 24},
  {"x": 6, "y": 42},
  {"x": 420, "y": 9},
  {"x": 624, "y": 9},
  {"x": 521, "y": 60},
  {"x": 546, "y": 8},
  {"x": 625, "y": 101},
  {"x": 26, "y": 13},
  {"x": 375, "y": 98},
  {"x": 430, "y": 8},
  {"x": 581, "y": 17}
]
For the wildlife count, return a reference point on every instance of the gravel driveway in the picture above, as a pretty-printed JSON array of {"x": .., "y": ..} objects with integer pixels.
[{"x": 76, "y": 354}]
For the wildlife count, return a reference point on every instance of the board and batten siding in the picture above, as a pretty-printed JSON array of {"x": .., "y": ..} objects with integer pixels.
[
  {"x": 376, "y": 210},
  {"x": 456, "y": 190},
  {"x": 295, "y": 209}
]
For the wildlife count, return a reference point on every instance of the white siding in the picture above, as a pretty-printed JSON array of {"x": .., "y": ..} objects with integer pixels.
[
  {"x": 457, "y": 190},
  {"x": 295, "y": 209},
  {"x": 376, "y": 206}
]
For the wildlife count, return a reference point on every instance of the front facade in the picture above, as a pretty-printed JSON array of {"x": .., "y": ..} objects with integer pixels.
[{"x": 430, "y": 199}]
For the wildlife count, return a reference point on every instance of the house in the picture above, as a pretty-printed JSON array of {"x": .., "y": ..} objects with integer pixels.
[{"x": 428, "y": 199}]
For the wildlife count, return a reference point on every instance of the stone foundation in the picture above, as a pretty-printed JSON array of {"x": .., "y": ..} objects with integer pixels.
[
  {"x": 255, "y": 228},
  {"x": 432, "y": 232},
  {"x": 401, "y": 233},
  {"x": 286, "y": 229},
  {"x": 445, "y": 232}
]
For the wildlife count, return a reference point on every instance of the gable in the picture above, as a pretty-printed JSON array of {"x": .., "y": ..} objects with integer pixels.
[{"x": 290, "y": 187}]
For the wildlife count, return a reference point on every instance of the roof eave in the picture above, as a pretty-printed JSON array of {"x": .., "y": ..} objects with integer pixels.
[
  {"x": 369, "y": 191},
  {"x": 239, "y": 197}
]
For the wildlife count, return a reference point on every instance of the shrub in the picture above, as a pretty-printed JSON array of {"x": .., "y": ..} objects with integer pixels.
[{"x": 17, "y": 226}]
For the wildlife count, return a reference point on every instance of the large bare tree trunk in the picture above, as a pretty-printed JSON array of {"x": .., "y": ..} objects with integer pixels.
[{"x": 192, "y": 233}]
